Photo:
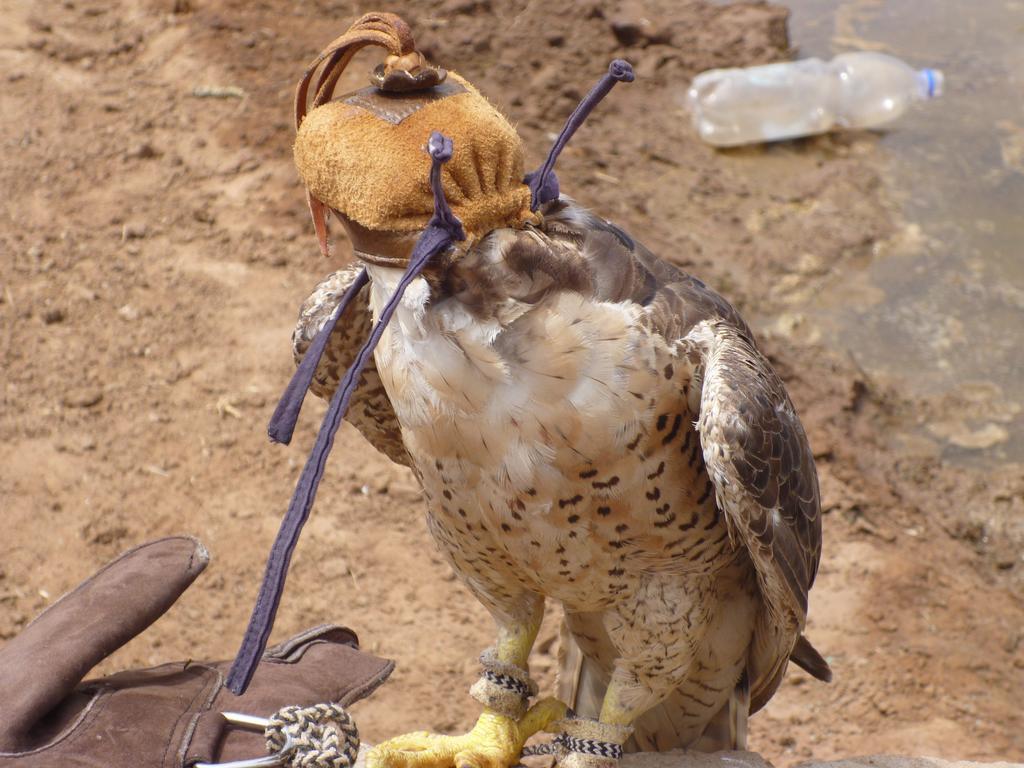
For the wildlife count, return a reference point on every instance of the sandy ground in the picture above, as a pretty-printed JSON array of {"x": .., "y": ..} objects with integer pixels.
[{"x": 154, "y": 249}]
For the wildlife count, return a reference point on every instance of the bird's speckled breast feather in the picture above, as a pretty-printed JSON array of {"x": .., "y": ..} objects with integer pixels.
[{"x": 554, "y": 441}]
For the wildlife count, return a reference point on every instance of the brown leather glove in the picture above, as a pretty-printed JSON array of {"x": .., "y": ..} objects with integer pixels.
[{"x": 167, "y": 716}]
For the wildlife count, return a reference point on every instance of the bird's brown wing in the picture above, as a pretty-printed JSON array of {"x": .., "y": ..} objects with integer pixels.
[
  {"x": 760, "y": 463},
  {"x": 754, "y": 447},
  {"x": 758, "y": 458},
  {"x": 370, "y": 410}
]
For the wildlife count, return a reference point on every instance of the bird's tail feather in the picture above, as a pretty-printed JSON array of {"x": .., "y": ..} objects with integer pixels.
[
  {"x": 727, "y": 730},
  {"x": 806, "y": 657},
  {"x": 581, "y": 683}
]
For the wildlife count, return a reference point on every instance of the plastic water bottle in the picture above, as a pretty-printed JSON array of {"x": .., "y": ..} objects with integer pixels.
[{"x": 801, "y": 98}]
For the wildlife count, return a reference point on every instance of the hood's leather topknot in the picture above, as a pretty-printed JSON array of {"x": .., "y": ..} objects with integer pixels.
[{"x": 361, "y": 155}]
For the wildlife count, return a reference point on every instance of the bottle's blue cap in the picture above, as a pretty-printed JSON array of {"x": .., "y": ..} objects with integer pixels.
[{"x": 932, "y": 82}]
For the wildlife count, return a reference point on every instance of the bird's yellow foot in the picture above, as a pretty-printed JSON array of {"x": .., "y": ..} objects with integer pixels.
[{"x": 495, "y": 742}]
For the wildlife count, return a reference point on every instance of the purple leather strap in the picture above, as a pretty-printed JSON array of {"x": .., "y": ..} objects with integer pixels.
[
  {"x": 543, "y": 183},
  {"x": 443, "y": 229},
  {"x": 282, "y": 423}
]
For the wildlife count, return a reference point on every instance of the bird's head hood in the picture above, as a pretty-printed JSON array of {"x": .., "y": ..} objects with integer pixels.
[{"x": 361, "y": 155}]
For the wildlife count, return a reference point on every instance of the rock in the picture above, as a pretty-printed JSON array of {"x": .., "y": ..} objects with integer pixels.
[
  {"x": 83, "y": 397},
  {"x": 679, "y": 758},
  {"x": 142, "y": 151},
  {"x": 53, "y": 315},
  {"x": 1006, "y": 560},
  {"x": 204, "y": 215},
  {"x": 888, "y": 761},
  {"x": 76, "y": 444},
  {"x": 959, "y": 433},
  {"x": 684, "y": 759},
  {"x": 134, "y": 230},
  {"x": 128, "y": 312},
  {"x": 218, "y": 92},
  {"x": 627, "y": 31},
  {"x": 633, "y": 27}
]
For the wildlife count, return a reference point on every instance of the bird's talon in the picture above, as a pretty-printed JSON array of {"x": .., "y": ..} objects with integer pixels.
[{"x": 496, "y": 741}]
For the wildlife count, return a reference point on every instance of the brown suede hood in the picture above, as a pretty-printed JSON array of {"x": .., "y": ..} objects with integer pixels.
[{"x": 362, "y": 156}]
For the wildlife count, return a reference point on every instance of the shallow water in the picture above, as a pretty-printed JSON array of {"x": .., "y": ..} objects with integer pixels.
[{"x": 947, "y": 319}]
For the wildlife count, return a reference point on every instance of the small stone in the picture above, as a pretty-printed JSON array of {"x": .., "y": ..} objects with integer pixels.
[
  {"x": 53, "y": 315},
  {"x": 633, "y": 27},
  {"x": 960, "y": 434},
  {"x": 35, "y": 252},
  {"x": 128, "y": 312},
  {"x": 1006, "y": 561},
  {"x": 627, "y": 32},
  {"x": 218, "y": 92},
  {"x": 248, "y": 165},
  {"x": 142, "y": 151},
  {"x": 1013, "y": 642},
  {"x": 83, "y": 397},
  {"x": 467, "y": 7},
  {"x": 134, "y": 230}
]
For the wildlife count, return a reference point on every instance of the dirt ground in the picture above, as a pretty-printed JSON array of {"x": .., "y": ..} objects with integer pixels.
[{"x": 155, "y": 247}]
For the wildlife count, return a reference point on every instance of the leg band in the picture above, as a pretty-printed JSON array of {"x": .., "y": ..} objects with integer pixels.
[
  {"x": 505, "y": 688},
  {"x": 586, "y": 743}
]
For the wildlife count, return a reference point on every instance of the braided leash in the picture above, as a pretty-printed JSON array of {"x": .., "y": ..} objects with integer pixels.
[
  {"x": 321, "y": 736},
  {"x": 318, "y": 736}
]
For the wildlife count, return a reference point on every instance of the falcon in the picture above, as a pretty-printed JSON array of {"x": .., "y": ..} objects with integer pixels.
[{"x": 591, "y": 426}]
